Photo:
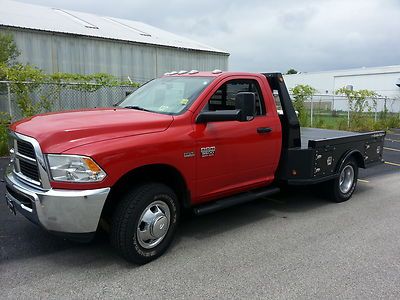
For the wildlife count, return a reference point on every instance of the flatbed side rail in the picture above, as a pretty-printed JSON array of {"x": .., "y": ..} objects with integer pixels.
[{"x": 376, "y": 136}]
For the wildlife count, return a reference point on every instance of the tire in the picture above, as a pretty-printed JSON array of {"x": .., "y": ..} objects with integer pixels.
[
  {"x": 144, "y": 222},
  {"x": 342, "y": 188}
]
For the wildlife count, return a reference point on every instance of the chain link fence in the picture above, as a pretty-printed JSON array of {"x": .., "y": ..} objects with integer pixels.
[
  {"x": 322, "y": 109},
  {"x": 60, "y": 97},
  {"x": 327, "y": 109}
]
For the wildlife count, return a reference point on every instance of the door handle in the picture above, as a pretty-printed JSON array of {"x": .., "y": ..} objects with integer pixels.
[{"x": 262, "y": 130}]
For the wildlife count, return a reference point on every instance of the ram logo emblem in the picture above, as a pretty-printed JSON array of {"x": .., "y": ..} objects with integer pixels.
[{"x": 207, "y": 151}]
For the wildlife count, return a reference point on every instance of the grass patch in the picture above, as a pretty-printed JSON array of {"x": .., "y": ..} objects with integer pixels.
[{"x": 358, "y": 122}]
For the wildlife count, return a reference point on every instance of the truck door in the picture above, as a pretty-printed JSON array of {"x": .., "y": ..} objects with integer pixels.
[{"x": 232, "y": 155}]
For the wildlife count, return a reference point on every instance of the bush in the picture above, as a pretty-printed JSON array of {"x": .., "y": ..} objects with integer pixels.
[
  {"x": 342, "y": 125},
  {"x": 301, "y": 93},
  {"x": 18, "y": 74},
  {"x": 320, "y": 123},
  {"x": 5, "y": 120},
  {"x": 387, "y": 123},
  {"x": 360, "y": 107}
]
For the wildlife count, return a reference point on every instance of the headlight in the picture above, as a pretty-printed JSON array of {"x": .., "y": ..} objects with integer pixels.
[{"x": 74, "y": 168}]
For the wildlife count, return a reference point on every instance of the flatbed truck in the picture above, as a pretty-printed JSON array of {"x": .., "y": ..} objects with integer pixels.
[{"x": 197, "y": 141}]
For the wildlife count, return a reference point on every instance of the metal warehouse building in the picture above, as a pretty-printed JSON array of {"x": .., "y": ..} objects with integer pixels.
[{"x": 58, "y": 40}]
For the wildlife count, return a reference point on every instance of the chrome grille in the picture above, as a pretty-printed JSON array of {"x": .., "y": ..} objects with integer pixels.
[
  {"x": 25, "y": 162},
  {"x": 26, "y": 148},
  {"x": 29, "y": 170},
  {"x": 28, "y": 161}
]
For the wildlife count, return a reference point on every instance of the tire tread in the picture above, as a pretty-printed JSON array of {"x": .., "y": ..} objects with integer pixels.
[{"x": 123, "y": 215}]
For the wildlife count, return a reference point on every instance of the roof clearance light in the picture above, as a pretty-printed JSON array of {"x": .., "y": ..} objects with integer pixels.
[
  {"x": 193, "y": 72},
  {"x": 216, "y": 71},
  {"x": 182, "y": 72}
]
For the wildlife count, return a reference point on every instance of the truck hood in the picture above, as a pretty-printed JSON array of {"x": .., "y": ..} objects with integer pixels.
[{"x": 58, "y": 132}]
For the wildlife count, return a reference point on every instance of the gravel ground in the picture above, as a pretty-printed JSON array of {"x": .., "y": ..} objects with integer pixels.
[{"x": 294, "y": 245}]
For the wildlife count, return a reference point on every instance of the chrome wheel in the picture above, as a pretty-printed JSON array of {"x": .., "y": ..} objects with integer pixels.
[
  {"x": 346, "y": 179},
  {"x": 153, "y": 224}
]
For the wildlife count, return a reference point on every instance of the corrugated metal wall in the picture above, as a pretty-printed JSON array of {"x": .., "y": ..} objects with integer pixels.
[{"x": 85, "y": 55}]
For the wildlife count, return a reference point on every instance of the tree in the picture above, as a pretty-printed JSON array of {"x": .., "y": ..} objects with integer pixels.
[
  {"x": 301, "y": 93},
  {"x": 359, "y": 106},
  {"x": 8, "y": 49},
  {"x": 24, "y": 80},
  {"x": 291, "y": 71}
]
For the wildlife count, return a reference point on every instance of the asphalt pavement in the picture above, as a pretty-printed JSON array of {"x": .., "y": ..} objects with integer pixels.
[{"x": 293, "y": 245}]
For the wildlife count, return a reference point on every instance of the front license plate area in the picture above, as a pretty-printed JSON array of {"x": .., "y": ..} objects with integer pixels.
[{"x": 10, "y": 205}]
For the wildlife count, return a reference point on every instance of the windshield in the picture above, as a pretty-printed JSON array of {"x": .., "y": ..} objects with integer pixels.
[{"x": 167, "y": 95}]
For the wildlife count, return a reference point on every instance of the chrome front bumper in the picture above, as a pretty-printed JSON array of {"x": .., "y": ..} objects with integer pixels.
[{"x": 62, "y": 211}]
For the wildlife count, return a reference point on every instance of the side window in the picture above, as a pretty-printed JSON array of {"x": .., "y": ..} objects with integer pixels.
[
  {"x": 277, "y": 102},
  {"x": 224, "y": 97}
]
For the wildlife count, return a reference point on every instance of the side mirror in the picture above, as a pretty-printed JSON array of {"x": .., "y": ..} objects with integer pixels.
[
  {"x": 218, "y": 116},
  {"x": 246, "y": 103}
]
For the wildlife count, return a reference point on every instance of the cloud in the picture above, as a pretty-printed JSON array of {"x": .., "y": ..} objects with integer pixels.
[{"x": 307, "y": 35}]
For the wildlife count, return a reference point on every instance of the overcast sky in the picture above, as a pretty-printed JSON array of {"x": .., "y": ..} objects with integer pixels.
[{"x": 264, "y": 35}]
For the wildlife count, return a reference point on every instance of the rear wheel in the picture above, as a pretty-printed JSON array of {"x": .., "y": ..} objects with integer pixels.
[
  {"x": 342, "y": 188},
  {"x": 144, "y": 222}
]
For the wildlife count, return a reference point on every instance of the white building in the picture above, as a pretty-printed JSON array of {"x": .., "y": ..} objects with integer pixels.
[{"x": 385, "y": 81}]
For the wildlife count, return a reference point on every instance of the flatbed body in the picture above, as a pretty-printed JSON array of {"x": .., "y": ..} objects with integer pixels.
[
  {"x": 322, "y": 150},
  {"x": 311, "y": 155},
  {"x": 311, "y": 136}
]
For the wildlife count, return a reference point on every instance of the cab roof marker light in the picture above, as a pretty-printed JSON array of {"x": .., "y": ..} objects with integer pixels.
[
  {"x": 193, "y": 72},
  {"x": 216, "y": 71},
  {"x": 182, "y": 72}
]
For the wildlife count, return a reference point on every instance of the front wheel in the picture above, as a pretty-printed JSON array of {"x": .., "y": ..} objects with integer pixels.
[
  {"x": 144, "y": 222},
  {"x": 342, "y": 188}
]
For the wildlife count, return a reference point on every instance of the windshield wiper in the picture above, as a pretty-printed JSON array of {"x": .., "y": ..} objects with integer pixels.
[{"x": 137, "y": 108}]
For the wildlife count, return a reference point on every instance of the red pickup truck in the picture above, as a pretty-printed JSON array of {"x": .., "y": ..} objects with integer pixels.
[{"x": 197, "y": 141}]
